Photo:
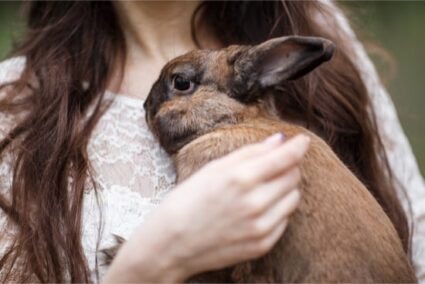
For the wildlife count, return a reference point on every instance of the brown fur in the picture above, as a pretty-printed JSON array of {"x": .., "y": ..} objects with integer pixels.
[{"x": 339, "y": 233}]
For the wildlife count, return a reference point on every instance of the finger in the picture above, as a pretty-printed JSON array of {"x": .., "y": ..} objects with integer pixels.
[
  {"x": 245, "y": 250},
  {"x": 266, "y": 221},
  {"x": 273, "y": 191},
  {"x": 276, "y": 162},
  {"x": 280, "y": 211},
  {"x": 261, "y": 246}
]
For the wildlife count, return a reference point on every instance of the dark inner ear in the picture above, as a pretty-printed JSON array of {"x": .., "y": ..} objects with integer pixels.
[{"x": 286, "y": 58}]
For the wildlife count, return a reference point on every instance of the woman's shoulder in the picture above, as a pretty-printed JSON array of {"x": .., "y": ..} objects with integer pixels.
[{"x": 11, "y": 69}]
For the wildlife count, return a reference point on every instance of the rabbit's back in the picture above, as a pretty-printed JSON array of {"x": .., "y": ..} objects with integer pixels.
[{"x": 339, "y": 233}]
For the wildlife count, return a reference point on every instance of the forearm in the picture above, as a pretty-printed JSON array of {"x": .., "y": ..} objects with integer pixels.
[
  {"x": 218, "y": 217},
  {"x": 154, "y": 263}
]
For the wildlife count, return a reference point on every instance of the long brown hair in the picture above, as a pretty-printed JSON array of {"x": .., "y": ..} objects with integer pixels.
[{"x": 67, "y": 43}]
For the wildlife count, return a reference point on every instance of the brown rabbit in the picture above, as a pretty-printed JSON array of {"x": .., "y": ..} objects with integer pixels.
[{"x": 206, "y": 104}]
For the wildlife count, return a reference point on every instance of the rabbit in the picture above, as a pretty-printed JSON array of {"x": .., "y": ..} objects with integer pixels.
[{"x": 207, "y": 103}]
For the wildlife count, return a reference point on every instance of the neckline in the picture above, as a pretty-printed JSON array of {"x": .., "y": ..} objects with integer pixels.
[{"x": 125, "y": 99}]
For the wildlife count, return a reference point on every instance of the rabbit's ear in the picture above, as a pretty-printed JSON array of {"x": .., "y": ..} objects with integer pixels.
[{"x": 284, "y": 58}]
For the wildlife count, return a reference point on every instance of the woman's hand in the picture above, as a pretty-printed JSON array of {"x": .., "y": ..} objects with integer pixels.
[{"x": 232, "y": 210}]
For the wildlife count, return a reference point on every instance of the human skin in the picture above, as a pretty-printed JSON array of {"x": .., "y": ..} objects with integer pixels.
[{"x": 225, "y": 213}]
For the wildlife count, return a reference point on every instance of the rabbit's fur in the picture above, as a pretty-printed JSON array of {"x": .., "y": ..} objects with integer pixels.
[{"x": 339, "y": 233}]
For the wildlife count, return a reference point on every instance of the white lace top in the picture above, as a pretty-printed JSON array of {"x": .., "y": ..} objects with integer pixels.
[{"x": 133, "y": 172}]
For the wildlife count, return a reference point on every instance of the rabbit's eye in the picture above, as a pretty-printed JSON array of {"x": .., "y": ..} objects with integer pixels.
[{"x": 181, "y": 83}]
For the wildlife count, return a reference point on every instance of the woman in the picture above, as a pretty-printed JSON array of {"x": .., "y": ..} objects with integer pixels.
[{"x": 79, "y": 165}]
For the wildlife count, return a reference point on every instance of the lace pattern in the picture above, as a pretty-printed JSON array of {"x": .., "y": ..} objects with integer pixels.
[
  {"x": 131, "y": 170},
  {"x": 133, "y": 173}
]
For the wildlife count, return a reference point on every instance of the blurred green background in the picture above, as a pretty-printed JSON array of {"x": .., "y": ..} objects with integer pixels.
[{"x": 397, "y": 26}]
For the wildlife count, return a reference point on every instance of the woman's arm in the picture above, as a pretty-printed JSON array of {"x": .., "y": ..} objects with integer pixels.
[
  {"x": 230, "y": 211},
  {"x": 397, "y": 147}
]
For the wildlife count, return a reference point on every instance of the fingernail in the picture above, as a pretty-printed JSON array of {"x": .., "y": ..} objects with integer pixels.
[{"x": 275, "y": 139}]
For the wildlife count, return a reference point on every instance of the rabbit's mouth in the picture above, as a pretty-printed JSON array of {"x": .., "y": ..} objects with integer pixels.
[
  {"x": 173, "y": 134},
  {"x": 172, "y": 139}
]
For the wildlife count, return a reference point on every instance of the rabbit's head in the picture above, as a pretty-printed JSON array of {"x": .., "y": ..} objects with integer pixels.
[{"x": 205, "y": 89}]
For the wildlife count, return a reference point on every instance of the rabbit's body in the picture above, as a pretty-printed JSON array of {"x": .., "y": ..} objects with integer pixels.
[
  {"x": 339, "y": 233},
  {"x": 208, "y": 103}
]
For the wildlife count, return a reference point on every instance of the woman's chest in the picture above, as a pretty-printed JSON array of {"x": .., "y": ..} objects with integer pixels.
[
  {"x": 131, "y": 172},
  {"x": 123, "y": 152}
]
